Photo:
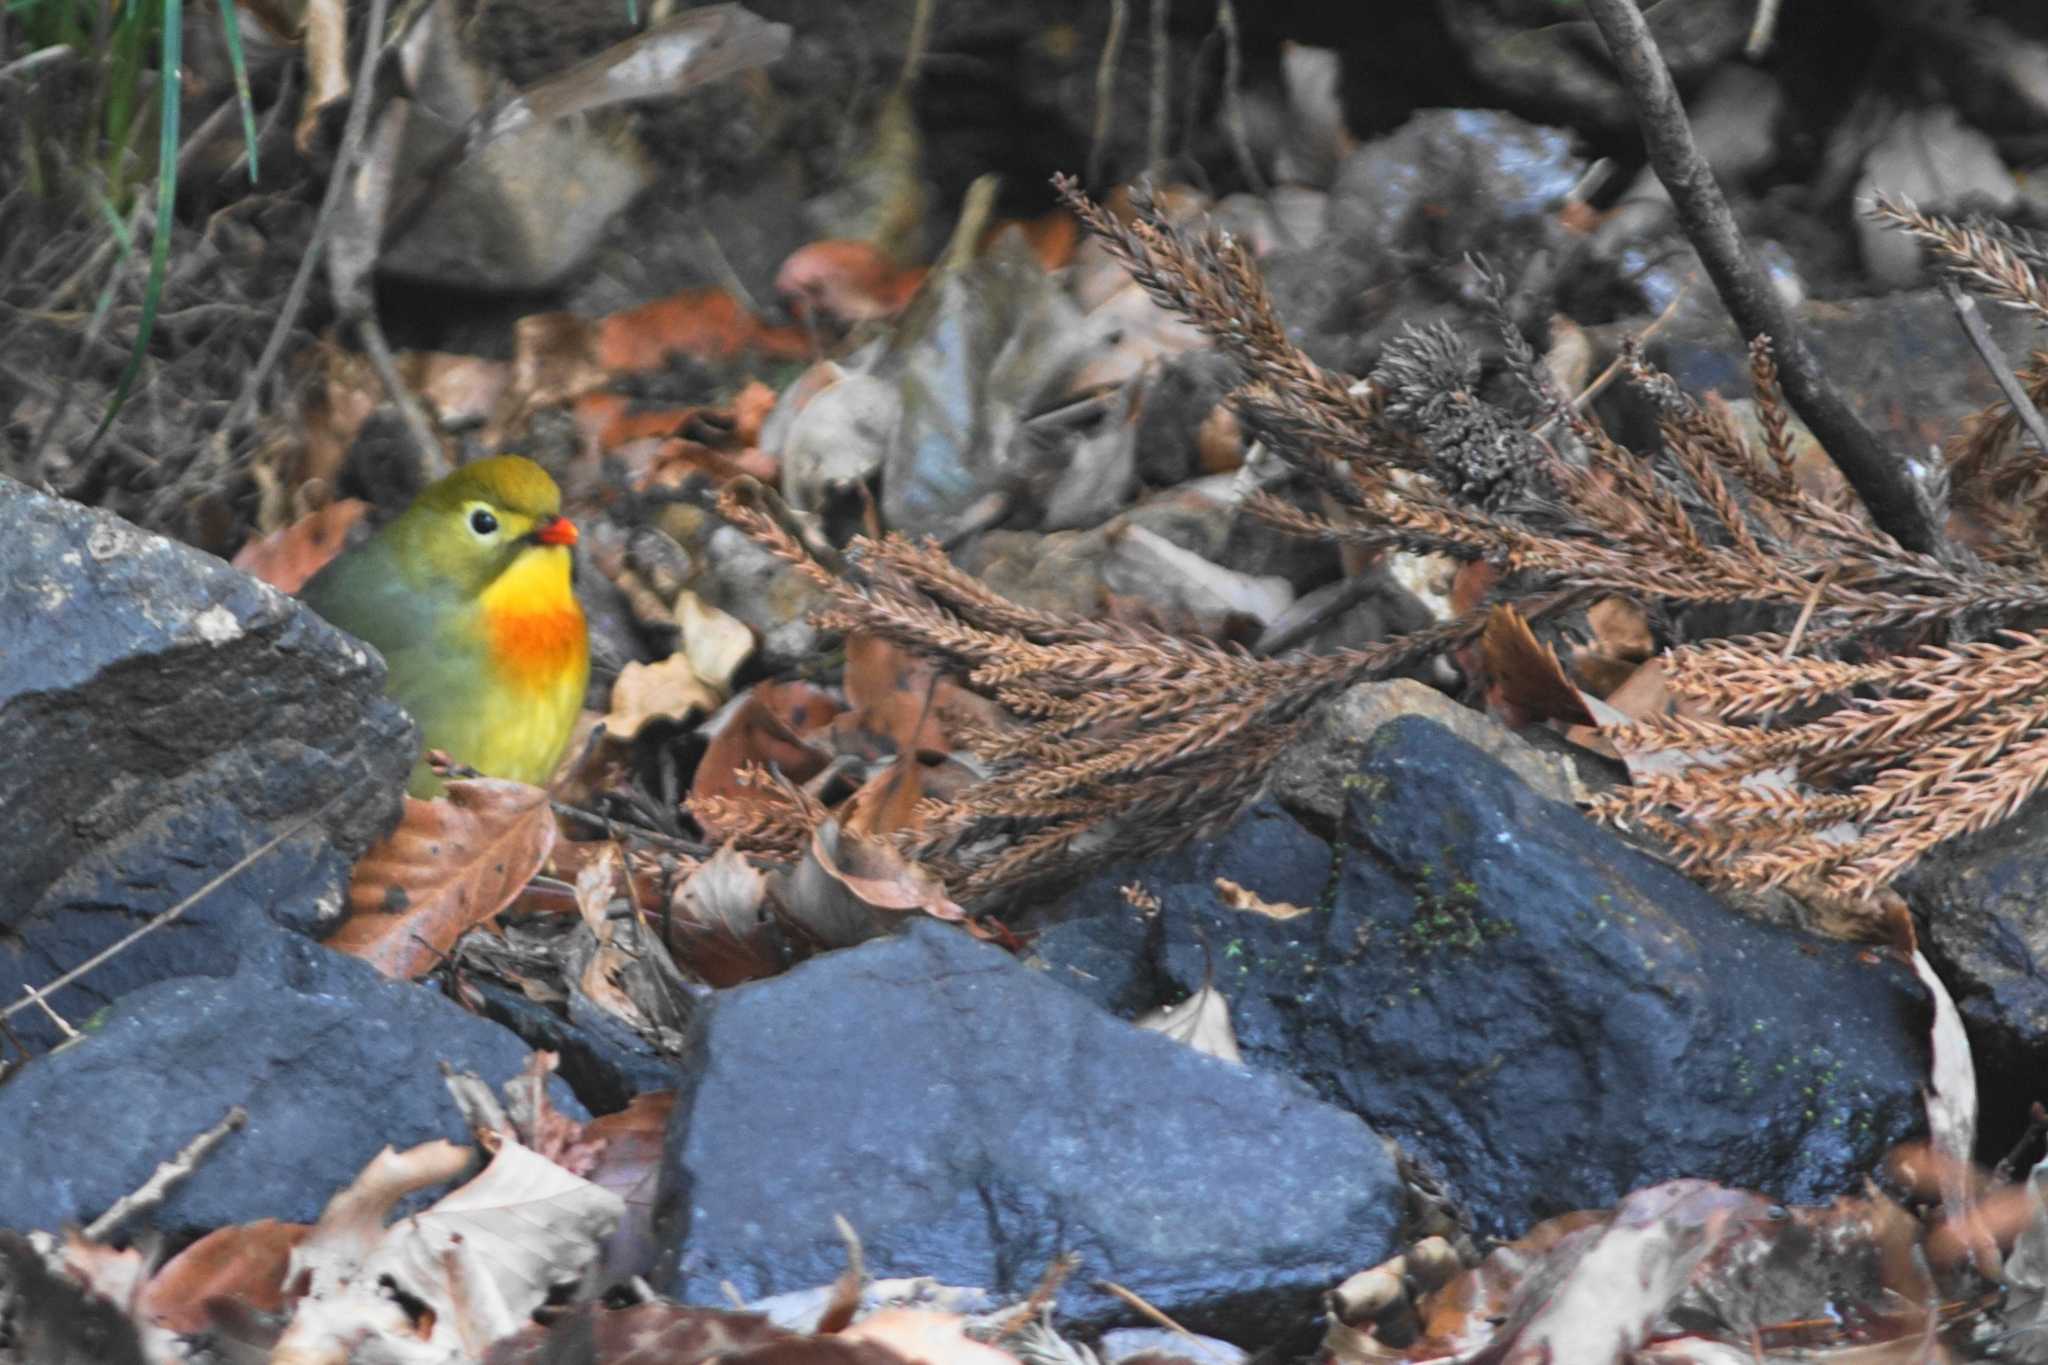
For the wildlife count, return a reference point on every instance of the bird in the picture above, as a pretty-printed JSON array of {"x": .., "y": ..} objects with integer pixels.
[{"x": 468, "y": 596}]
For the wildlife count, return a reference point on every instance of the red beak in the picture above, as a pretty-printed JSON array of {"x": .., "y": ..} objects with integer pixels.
[{"x": 555, "y": 531}]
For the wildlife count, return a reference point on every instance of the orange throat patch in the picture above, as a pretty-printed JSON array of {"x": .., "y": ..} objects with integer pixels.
[{"x": 533, "y": 624}]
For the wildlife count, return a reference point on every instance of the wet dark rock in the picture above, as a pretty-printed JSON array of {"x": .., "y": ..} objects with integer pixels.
[
  {"x": 1544, "y": 1017},
  {"x": 1901, "y": 362},
  {"x": 604, "y": 1063},
  {"x": 1178, "y": 402},
  {"x": 973, "y": 1120},
  {"x": 1451, "y": 180},
  {"x": 167, "y": 717},
  {"x": 1403, "y": 214},
  {"x": 332, "y": 1061},
  {"x": 1310, "y": 779},
  {"x": 1983, "y": 905}
]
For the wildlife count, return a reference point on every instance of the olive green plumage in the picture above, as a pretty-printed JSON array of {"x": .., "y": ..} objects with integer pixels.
[{"x": 467, "y": 595}]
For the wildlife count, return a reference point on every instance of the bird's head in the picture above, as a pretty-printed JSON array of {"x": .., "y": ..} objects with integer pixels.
[{"x": 470, "y": 528}]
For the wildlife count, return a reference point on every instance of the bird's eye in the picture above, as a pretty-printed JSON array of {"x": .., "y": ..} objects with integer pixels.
[{"x": 482, "y": 522}]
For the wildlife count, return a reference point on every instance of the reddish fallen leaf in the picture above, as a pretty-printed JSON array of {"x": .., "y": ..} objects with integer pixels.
[
  {"x": 887, "y": 801},
  {"x": 675, "y": 460},
  {"x": 1053, "y": 236},
  {"x": 750, "y": 409},
  {"x": 629, "y": 1145},
  {"x": 706, "y": 324},
  {"x": 1219, "y": 441},
  {"x": 453, "y": 863},
  {"x": 924, "y": 1336},
  {"x": 1526, "y": 682},
  {"x": 554, "y": 360},
  {"x": 896, "y": 695},
  {"x": 773, "y": 729},
  {"x": 879, "y": 876},
  {"x": 245, "y": 1263},
  {"x": 286, "y": 558},
  {"x": 666, "y": 1332},
  {"x": 459, "y": 388},
  {"x": 1621, "y": 641},
  {"x": 845, "y": 281},
  {"x": 718, "y": 922}
]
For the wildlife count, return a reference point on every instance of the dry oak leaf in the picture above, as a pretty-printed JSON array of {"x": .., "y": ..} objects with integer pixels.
[
  {"x": 453, "y": 863},
  {"x": 1243, "y": 898},
  {"x": 926, "y": 1337},
  {"x": 245, "y": 1263},
  {"x": 1202, "y": 1021},
  {"x": 707, "y": 324},
  {"x": 286, "y": 558},
  {"x": 466, "y": 1272},
  {"x": 773, "y": 727},
  {"x": 668, "y": 1333},
  {"x": 668, "y": 690},
  {"x": 1526, "y": 680}
]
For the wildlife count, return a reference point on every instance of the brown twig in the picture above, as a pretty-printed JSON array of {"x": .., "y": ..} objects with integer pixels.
[{"x": 152, "y": 1191}]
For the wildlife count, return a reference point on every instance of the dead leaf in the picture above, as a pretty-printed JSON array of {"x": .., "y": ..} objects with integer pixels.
[
  {"x": 845, "y": 281},
  {"x": 1125, "y": 333},
  {"x": 1526, "y": 683},
  {"x": 848, "y": 889},
  {"x": 461, "y": 388},
  {"x": 629, "y": 1165},
  {"x": 667, "y": 690},
  {"x": 1951, "y": 1098},
  {"x": 895, "y": 695},
  {"x": 453, "y": 863},
  {"x": 659, "y": 1332},
  {"x": 1181, "y": 585},
  {"x": 719, "y": 924},
  {"x": 327, "y": 79},
  {"x": 887, "y": 802},
  {"x": 245, "y": 1263},
  {"x": 1238, "y": 898},
  {"x": 1585, "y": 1286},
  {"x": 705, "y": 324},
  {"x": 554, "y": 360},
  {"x": 669, "y": 57},
  {"x": 1202, "y": 1021},
  {"x": 1053, "y": 236},
  {"x": 286, "y": 559},
  {"x": 925, "y": 1337},
  {"x": 770, "y": 728},
  {"x": 836, "y": 442},
  {"x": 1219, "y": 441},
  {"x": 873, "y": 870},
  {"x": 467, "y": 1272},
  {"x": 715, "y": 643},
  {"x": 750, "y": 409}
]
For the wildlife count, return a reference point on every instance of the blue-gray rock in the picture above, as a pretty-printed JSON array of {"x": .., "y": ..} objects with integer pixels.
[
  {"x": 332, "y": 1060},
  {"x": 166, "y": 716},
  {"x": 1544, "y": 1016},
  {"x": 602, "y": 1060},
  {"x": 1984, "y": 906},
  {"x": 973, "y": 1121}
]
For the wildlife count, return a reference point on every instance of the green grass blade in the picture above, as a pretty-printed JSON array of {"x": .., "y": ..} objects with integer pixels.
[
  {"x": 171, "y": 86},
  {"x": 119, "y": 227},
  {"x": 231, "y": 29}
]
